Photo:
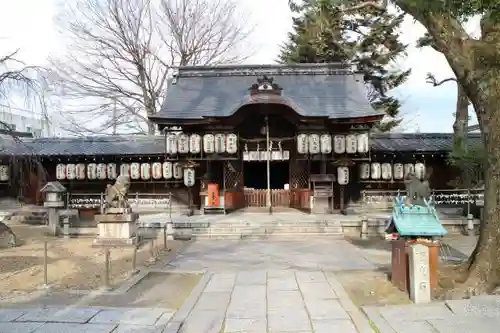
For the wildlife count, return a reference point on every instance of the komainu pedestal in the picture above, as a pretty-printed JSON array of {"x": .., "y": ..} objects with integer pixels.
[
  {"x": 118, "y": 224},
  {"x": 118, "y": 228}
]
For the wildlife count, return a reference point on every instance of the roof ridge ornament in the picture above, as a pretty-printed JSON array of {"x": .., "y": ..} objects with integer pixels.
[{"x": 265, "y": 85}]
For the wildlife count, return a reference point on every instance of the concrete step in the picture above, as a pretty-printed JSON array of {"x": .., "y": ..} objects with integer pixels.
[
  {"x": 221, "y": 236},
  {"x": 273, "y": 229}
]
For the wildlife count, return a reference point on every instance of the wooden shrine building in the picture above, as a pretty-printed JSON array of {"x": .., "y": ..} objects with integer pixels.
[{"x": 245, "y": 136}]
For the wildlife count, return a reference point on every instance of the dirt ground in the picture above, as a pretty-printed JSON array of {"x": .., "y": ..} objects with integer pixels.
[{"x": 72, "y": 263}]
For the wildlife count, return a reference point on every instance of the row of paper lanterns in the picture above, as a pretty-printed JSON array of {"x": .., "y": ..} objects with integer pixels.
[
  {"x": 388, "y": 171},
  {"x": 192, "y": 144},
  {"x": 322, "y": 144},
  {"x": 4, "y": 173},
  {"x": 144, "y": 171}
]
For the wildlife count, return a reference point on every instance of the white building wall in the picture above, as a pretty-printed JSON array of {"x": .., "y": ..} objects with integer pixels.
[{"x": 24, "y": 121}]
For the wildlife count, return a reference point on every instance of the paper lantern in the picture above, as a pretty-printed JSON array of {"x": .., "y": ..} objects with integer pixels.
[
  {"x": 420, "y": 170},
  {"x": 70, "y": 171},
  {"x": 302, "y": 144},
  {"x": 398, "y": 171},
  {"x": 351, "y": 144},
  {"x": 195, "y": 144},
  {"x": 409, "y": 169},
  {"x": 343, "y": 175},
  {"x": 326, "y": 143},
  {"x": 145, "y": 171},
  {"x": 386, "y": 171},
  {"x": 81, "y": 171},
  {"x": 171, "y": 144},
  {"x": 220, "y": 143},
  {"x": 4, "y": 173},
  {"x": 101, "y": 171},
  {"x": 156, "y": 170},
  {"x": 208, "y": 143},
  {"x": 167, "y": 170},
  {"x": 183, "y": 144},
  {"x": 314, "y": 146},
  {"x": 177, "y": 171},
  {"x": 111, "y": 171},
  {"x": 135, "y": 171},
  {"x": 375, "y": 171},
  {"x": 339, "y": 144},
  {"x": 189, "y": 177},
  {"x": 363, "y": 143},
  {"x": 91, "y": 171},
  {"x": 125, "y": 169},
  {"x": 232, "y": 143},
  {"x": 364, "y": 171},
  {"x": 60, "y": 171}
]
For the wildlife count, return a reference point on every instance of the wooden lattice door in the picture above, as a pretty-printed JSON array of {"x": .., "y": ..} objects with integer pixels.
[
  {"x": 234, "y": 197},
  {"x": 299, "y": 184}
]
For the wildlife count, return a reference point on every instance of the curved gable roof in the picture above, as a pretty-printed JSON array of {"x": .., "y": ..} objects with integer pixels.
[{"x": 328, "y": 90}]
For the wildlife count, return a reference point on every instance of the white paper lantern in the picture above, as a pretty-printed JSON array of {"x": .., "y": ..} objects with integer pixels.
[
  {"x": 177, "y": 171},
  {"x": 209, "y": 143},
  {"x": 351, "y": 144},
  {"x": 80, "y": 171},
  {"x": 326, "y": 143},
  {"x": 183, "y": 144},
  {"x": 398, "y": 171},
  {"x": 4, "y": 173},
  {"x": 125, "y": 169},
  {"x": 145, "y": 171},
  {"x": 343, "y": 175},
  {"x": 232, "y": 143},
  {"x": 171, "y": 144},
  {"x": 195, "y": 144},
  {"x": 220, "y": 143},
  {"x": 70, "y": 171},
  {"x": 167, "y": 170},
  {"x": 339, "y": 144},
  {"x": 302, "y": 144},
  {"x": 101, "y": 171},
  {"x": 375, "y": 171},
  {"x": 363, "y": 143},
  {"x": 135, "y": 171},
  {"x": 91, "y": 171},
  {"x": 420, "y": 170},
  {"x": 314, "y": 147},
  {"x": 156, "y": 171},
  {"x": 386, "y": 171},
  {"x": 111, "y": 170},
  {"x": 60, "y": 171},
  {"x": 189, "y": 177},
  {"x": 364, "y": 171},
  {"x": 409, "y": 169}
]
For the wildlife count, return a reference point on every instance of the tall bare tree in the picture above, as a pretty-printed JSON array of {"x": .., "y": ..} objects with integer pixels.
[{"x": 120, "y": 54}]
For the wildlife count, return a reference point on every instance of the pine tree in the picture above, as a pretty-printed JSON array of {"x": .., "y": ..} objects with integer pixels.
[{"x": 367, "y": 38}]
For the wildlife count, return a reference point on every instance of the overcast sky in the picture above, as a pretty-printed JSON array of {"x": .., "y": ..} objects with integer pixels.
[{"x": 28, "y": 25}]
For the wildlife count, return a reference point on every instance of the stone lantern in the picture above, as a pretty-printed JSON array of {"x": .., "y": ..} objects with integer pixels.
[{"x": 53, "y": 199}]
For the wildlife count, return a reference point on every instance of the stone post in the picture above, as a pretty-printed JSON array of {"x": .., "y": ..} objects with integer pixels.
[
  {"x": 364, "y": 227},
  {"x": 420, "y": 286},
  {"x": 470, "y": 225}
]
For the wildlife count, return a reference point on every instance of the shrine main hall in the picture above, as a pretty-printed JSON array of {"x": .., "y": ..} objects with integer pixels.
[{"x": 299, "y": 136}]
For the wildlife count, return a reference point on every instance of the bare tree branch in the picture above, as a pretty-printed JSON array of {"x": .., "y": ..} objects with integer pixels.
[
  {"x": 432, "y": 80},
  {"x": 121, "y": 54}
]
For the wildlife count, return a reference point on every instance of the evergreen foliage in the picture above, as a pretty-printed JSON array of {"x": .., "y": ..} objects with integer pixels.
[{"x": 367, "y": 38}]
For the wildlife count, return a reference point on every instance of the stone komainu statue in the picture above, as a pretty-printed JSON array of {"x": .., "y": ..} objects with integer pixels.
[
  {"x": 116, "y": 194},
  {"x": 417, "y": 189}
]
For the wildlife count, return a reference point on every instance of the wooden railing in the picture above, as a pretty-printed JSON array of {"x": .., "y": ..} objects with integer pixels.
[{"x": 298, "y": 198}]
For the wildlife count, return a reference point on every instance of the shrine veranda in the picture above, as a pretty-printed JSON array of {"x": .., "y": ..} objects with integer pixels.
[{"x": 222, "y": 126}]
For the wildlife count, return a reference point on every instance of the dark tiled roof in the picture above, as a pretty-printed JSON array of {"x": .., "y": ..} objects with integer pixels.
[
  {"x": 424, "y": 142},
  {"x": 313, "y": 89},
  {"x": 153, "y": 145}
]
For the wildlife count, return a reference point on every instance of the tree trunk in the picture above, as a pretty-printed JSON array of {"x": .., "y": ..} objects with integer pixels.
[{"x": 461, "y": 120}]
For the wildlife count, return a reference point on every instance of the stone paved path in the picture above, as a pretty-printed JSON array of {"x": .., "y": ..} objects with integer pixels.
[
  {"x": 84, "y": 320},
  {"x": 479, "y": 314},
  {"x": 273, "y": 301}
]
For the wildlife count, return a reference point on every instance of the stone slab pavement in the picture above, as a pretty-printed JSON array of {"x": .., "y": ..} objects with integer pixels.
[
  {"x": 84, "y": 320},
  {"x": 480, "y": 314}
]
